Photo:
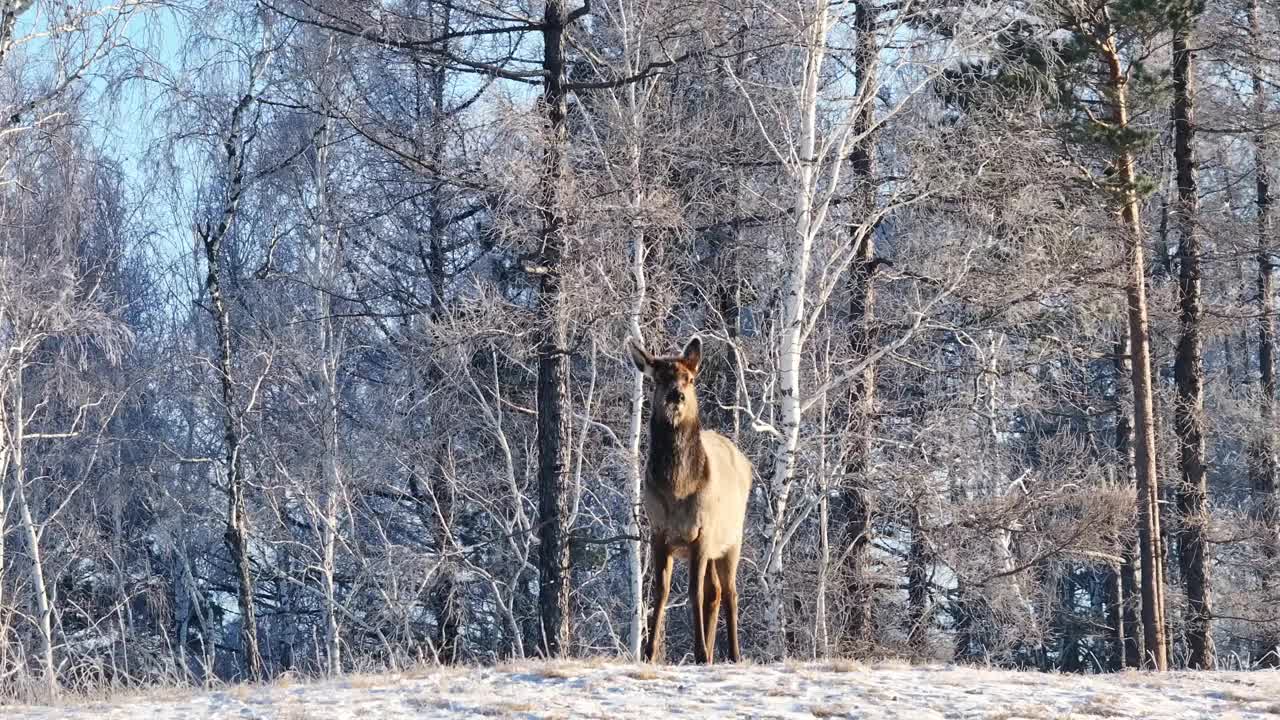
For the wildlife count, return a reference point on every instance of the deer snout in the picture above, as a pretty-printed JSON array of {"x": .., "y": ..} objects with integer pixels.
[{"x": 674, "y": 397}]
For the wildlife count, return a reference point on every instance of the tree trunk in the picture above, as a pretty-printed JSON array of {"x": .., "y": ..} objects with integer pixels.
[
  {"x": 446, "y": 600},
  {"x": 236, "y": 532},
  {"x": 854, "y": 507},
  {"x": 6, "y": 457},
  {"x": 793, "y": 319},
  {"x": 334, "y": 483},
  {"x": 328, "y": 261},
  {"x": 1129, "y": 628},
  {"x": 917, "y": 584},
  {"x": 1149, "y": 535},
  {"x": 1114, "y": 601},
  {"x": 636, "y": 470},
  {"x": 31, "y": 531},
  {"x": 1265, "y": 465},
  {"x": 1192, "y": 492},
  {"x": 554, "y": 427},
  {"x": 10, "y": 11},
  {"x": 446, "y": 603},
  {"x": 821, "y": 636}
]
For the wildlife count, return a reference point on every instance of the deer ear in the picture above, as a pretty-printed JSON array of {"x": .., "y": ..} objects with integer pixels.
[
  {"x": 642, "y": 359},
  {"x": 692, "y": 355}
]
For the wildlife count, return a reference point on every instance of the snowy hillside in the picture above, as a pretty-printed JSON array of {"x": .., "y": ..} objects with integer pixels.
[{"x": 823, "y": 690}]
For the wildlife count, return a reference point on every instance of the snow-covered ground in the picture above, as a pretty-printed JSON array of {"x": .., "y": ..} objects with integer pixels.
[{"x": 599, "y": 690}]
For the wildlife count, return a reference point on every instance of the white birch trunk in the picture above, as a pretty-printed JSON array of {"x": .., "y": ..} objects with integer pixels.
[
  {"x": 635, "y": 569},
  {"x": 31, "y": 531},
  {"x": 326, "y": 262},
  {"x": 332, "y": 492},
  {"x": 635, "y": 549},
  {"x": 822, "y": 640},
  {"x": 793, "y": 323},
  {"x": 5, "y": 458}
]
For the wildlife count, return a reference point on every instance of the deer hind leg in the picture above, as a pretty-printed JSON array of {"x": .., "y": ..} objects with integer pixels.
[
  {"x": 727, "y": 567},
  {"x": 711, "y": 607},
  {"x": 661, "y": 591},
  {"x": 697, "y": 593}
]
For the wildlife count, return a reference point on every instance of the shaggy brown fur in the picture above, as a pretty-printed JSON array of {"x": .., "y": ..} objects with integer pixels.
[{"x": 695, "y": 496}]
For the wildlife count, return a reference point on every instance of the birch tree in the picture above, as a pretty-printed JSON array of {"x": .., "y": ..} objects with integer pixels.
[
  {"x": 813, "y": 148},
  {"x": 238, "y": 397},
  {"x": 52, "y": 316}
]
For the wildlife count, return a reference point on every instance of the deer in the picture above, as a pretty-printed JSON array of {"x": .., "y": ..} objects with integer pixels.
[{"x": 695, "y": 492}]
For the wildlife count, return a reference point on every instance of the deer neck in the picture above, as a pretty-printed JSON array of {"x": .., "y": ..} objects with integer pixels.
[{"x": 677, "y": 460}]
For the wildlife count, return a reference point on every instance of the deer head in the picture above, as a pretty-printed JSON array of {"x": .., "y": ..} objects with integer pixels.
[{"x": 674, "y": 395}]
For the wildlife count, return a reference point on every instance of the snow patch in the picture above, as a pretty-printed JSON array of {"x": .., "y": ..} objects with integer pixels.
[{"x": 587, "y": 689}]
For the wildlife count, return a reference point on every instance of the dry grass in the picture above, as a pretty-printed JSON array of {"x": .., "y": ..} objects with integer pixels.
[
  {"x": 875, "y": 693},
  {"x": 643, "y": 672},
  {"x": 1028, "y": 679},
  {"x": 892, "y": 663},
  {"x": 159, "y": 694},
  {"x": 1099, "y": 706},
  {"x": 779, "y": 691},
  {"x": 424, "y": 706},
  {"x": 1233, "y": 695},
  {"x": 820, "y": 689},
  {"x": 557, "y": 672},
  {"x": 107, "y": 694},
  {"x": 417, "y": 672},
  {"x": 370, "y": 680},
  {"x": 509, "y": 709},
  {"x": 288, "y": 679},
  {"x": 1024, "y": 712},
  {"x": 843, "y": 665},
  {"x": 498, "y": 708},
  {"x": 540, "y": 667}
]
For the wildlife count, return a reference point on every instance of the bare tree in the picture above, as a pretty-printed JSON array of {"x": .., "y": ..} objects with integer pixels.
[
  {"x": 855, "y": 507},
  {"x": 1192, "y": 491},
  {"x": 1265, "y": 466},
  {"x": 238, "y": 398}
]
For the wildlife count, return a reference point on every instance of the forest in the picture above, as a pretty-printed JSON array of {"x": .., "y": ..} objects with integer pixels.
[{"x": 313, "y": 325}]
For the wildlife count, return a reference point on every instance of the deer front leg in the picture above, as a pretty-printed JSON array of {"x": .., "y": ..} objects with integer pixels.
[
  {"x": 727, "y": 567},
  {"x": 711, "y": 607},
  {"x": 697, "y": 578},
  {"x": 661, "y": 590}
]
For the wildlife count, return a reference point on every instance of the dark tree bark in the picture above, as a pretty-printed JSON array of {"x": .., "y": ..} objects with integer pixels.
[
  {"x": 1192, "y": 492},
  {"x": 447, "y": 599},
  {"x": 917, "y": 584},
  {"x": 1113, "y": 600},
  {"x": 854, "y": 504},
  {"x": 236, "y": 532},
  {"x": 447, "y": 605},
  {"x": 10, "y": 10},
  {"x": 1264, "y": 464},
  {"x": 553, "y": 362},
  {"x": 1128, "y": 630}
]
